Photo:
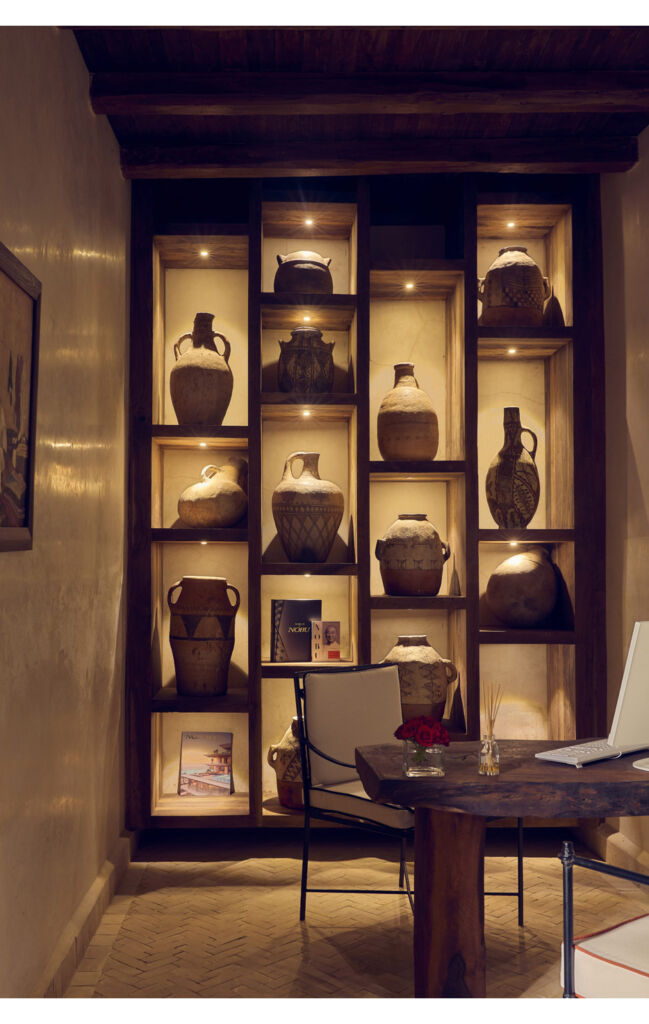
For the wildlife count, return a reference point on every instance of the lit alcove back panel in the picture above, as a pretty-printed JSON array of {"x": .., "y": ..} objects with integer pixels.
[
  {"x": 521, "y": 671},
  {"x": 389, "y": 625},
  {"x": 173, "y": 725}
]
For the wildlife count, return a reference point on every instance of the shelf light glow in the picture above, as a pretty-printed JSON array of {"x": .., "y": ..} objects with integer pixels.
[
  {"x": 307, "y": 575},
  {"x": 204, "y": 252},
  {"x": 511, "y": 224},
  {"x": 306, "y": 412},
  {"x": 410, "y": 285},
  {"x": 203, "y": 542},
  {"x": 306, "y": 319},
  {"x": 202, "y": 444},
  {"x": 512, "y": 351},
  {"x": 309, "y": 222},
  {"x": 513, "y": 543}
]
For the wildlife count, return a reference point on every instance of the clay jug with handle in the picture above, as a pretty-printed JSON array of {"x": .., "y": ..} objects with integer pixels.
[
  {"x": 220, "y": 498},
  {"x": 307, "y": 510},
  {"x": 512, "y": 485},
  {"x": 285, "y": 758},
  {"x": 201, "y": 633},
  {"x": 424, "y": 676},
  {"x": 201, "y": 381}
]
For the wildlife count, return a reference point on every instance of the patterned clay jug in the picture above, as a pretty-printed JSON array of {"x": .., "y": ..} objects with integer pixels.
[
  {"x": 306, "y": 363},
  {"x": 512, "y": 484},
  {"x": 513, "y": 291},
  {"x": 407, "y": 423},
  {"x": 424, "y": 676},
  {"x": 201, "y": 634},
  {"x": 219, "y": 499},
  {"x": 411, "y": 557},
  {"x": 307, "y": 510},
  {"x": 284, "y": 757},
  {"x": 201, "y": 381}
]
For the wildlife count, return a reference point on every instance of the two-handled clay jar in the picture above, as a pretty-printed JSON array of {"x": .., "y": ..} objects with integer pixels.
[
  {"x": 424, "y": 676},
  {"x": 201, "y": 380},
  {"x": 304, "y": 271},
  {"x": 412, "y": 556},
  {"x": 201, "y": 633}
]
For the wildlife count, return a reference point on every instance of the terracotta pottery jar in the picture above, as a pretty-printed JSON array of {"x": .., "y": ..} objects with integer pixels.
[
  {"x": 512, "y": 485},
  {"x": 284, "y": 757},
  {"x": 523, "y": 590},
  {"x": 411, "y": 557},
  {"x": 201, "y": 633},
  {"x": 220, "y": 499},
  {"x": 303, "y": 271},
  {"x": 306, "y": 363},
  {"x": 513, "y": 291},
  {"x": 201, "y": 381},
  {"x": 424, "y": 676},
  {"x": 307, "y": 510},
  {"x": 407, "y": 423}
]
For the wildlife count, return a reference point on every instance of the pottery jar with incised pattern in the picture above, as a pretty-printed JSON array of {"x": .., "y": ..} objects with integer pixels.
[
  {"x": 411, "y": 557},
  {"x": 424, "y": 676},
  {"x": 307, "y": 510},
  {"x": 201, "y": 633}
]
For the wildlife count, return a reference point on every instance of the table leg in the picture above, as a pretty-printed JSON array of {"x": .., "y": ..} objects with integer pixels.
[{"x": 449, "y": 904}]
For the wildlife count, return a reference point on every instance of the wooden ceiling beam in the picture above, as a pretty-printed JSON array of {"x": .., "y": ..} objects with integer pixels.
[
  {"x": 239, "y": 94},
  {"x": 381, "y": 156}
]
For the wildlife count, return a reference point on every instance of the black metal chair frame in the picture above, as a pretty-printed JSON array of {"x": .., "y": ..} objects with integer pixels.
[
  {"x": 338, "y": 817},
  {"x": 569, "y": 858}
]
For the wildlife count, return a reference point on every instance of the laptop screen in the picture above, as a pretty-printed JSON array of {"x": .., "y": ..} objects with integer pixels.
[{"x": 631, "y": 718}]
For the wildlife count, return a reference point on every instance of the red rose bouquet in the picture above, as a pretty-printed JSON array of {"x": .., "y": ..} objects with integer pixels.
[{"x": 424, "y": 731}]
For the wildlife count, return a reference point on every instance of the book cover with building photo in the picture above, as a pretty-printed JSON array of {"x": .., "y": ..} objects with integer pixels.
[
  {"x": 205, "y": 764},
  {"x": 290, "y": 630}
]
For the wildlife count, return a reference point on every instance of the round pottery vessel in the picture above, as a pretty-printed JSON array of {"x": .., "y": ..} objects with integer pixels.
[
  {"x": 220, "y": 499},
  {"x": 412, "y": 556},
  {"x": 303, "y": 271},
  {"x": 513, "y": 290},
  {"x": 407, "y": 423},
  {"x": 512, "y": 485},
  {"x": 201, "y": 633},
  {"x": 307, "y": 510},
  {"x": 284, "y": 757},
  {"x": 306, "y": 363},
  {"x": 424, "y": 676},
  {"x": 201, "y": 381},
  {"x": 523, "y": 590}
]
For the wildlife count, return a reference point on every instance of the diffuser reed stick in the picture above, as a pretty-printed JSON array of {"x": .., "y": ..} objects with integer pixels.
[{"x": 489, "y": 754}]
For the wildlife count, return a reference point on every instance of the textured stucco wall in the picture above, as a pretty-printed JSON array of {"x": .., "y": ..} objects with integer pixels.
[
  {"x": 625, "y": 224},
  {"x": 64, "y": 211}
]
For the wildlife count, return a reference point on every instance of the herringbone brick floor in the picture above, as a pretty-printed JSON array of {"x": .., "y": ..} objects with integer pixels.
[{"x": 218, "y": 918}]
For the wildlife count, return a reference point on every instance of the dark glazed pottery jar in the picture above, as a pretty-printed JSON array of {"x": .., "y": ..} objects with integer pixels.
[
  {"x": 303, "y": 271},
  {"x": 306, "y": 363}
]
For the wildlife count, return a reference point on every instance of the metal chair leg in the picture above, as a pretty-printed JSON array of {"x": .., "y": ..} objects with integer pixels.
[
  {"x": 402, "y": 863},
  {"x": 305, "y": 864},
  {"x": 519, "y": 843},
  {"x": 567, "y": 859}
]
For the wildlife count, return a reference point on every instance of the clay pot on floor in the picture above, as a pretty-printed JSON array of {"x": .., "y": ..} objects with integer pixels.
[
  {"x": 512, "y": 485},
  {"x": 407, "y": 425},
  {"x": 306, "y": 363},
  {"x": 201, "y": 381},
  {"x": 220, "y": 499},
  {"x": 424, "y": 676},
  {"x": 523, "y": 590},
  {"x": 284, "y": 757},
  {"x": 201, "y": 634},
  {"x": 513, "y": 290},
  {"x": 307, "y": 510},
  {"x": 303, "y": 271},
  {"x": 412, "y": 556}
]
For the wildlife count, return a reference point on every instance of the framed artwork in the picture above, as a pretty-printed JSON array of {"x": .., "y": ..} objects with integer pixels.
[
  {"x": 205, "y": 764},
  {"x": 20, "y": 298}
]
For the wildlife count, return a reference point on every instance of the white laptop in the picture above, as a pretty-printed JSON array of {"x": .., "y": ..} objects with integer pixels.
[{"x": 630, "y": 728}]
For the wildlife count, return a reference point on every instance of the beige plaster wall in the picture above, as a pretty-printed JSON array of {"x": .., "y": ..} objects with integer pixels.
[
  {"x": 625, "y": 225},
  {"x": 64, "y": 211}
]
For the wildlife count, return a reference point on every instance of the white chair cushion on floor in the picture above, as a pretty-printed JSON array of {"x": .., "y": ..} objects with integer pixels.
[
  {"x": 614, "y": 963},
  {"x": 350, "y": 798}
]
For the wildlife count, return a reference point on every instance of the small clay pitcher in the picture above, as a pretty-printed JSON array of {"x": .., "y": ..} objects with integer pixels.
[
  {"x": 424, "y": 676},
  {"x": 303, "y": 271},
  {"x": 201, "y": 381},
  {"x": 285, "y": 758},
  {"x": 201, "y": 633},
  {"x": 306, "y": 363},
  {"x": 512, "y": 485},
  {"x": 411, "y": 557},
  {"x": 307, "y": 510},
  {"x": 220, "y": 499},
  {"x": 513, "y": 290},
  {"x": 407, "y": 423}
]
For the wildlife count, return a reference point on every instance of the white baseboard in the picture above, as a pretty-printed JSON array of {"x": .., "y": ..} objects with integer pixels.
[{"x": 83, "y": 924}]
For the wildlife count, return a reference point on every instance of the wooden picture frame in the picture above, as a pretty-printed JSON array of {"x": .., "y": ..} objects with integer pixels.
[{"x": 20, "y": 299}]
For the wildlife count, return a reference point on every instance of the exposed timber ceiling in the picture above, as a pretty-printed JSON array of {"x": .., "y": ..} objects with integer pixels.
[{"x": 264, "y": 102}]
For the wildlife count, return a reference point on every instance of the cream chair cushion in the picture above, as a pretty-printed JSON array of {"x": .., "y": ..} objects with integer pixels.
[
  {"x": 614, "y": 963},
  {"x": 351, "y": 798}
]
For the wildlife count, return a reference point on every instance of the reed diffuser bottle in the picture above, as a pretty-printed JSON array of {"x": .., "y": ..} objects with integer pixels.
[{"x": 489, "y": 757}]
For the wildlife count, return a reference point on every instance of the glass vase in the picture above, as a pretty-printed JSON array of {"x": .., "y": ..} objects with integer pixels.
[
  {"x": 422, "y": 761},
  {"x": 489, "y": 762}
]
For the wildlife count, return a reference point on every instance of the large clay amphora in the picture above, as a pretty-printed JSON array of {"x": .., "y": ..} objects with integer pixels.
[
  {"x": 512, "y": 484},
  {"x": 219, "y": 499},
  {"x": 284, "y": 757},
  {"x": 424, "y": 676},
  {"x": 513, "y": 290},
  {"x": 522, "y": 591},
  {"x": 201, "y": 381},
  {"x": 303, "y": 271},
  {"x": 307, "y": 510},
  {"x": 411, "y": 557},
  {"x": 306, "y": 362},
  {"x": 407, "y": 423},
  {"x": 201, "y": 633}
]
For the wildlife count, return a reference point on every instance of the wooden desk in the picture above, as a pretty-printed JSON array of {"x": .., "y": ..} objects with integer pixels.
[{"x": 450, "y": 813}]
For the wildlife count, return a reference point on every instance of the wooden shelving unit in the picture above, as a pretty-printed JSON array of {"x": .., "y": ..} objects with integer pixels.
[{"x": 390, "y": 304}]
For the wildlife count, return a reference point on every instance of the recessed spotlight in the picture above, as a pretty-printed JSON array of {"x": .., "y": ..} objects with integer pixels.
[
  {"x": 309, "y": 222},
  {"x": 203, "y": 542},
  {"x": 410, "y": 285},
  {"x": 513, "y": 543},
  {"x": 204, "y": 252},
  {"x": 511, "y": 224},
  {"x": 202, "y": 444},
  {"x": 306, "y": 412},
  {"x": 306, "y": 319},
  {"x": 512, "y": 351},
  {"x": 307, "y": 575}
]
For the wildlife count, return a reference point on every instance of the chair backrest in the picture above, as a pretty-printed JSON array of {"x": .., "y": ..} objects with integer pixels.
[{"x": 348, "y": 709}]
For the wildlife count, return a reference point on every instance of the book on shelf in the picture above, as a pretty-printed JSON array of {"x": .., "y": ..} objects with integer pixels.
[
  {"x": 325, "y": 640},
  {"x": 290, "y": 631},
  {"x": 205, "y": 764}
]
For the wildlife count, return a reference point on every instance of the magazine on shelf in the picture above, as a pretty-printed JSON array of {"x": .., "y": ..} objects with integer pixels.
[
  {"x": 205, "y": 764},
  {"x": 290, "y": 636}
]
